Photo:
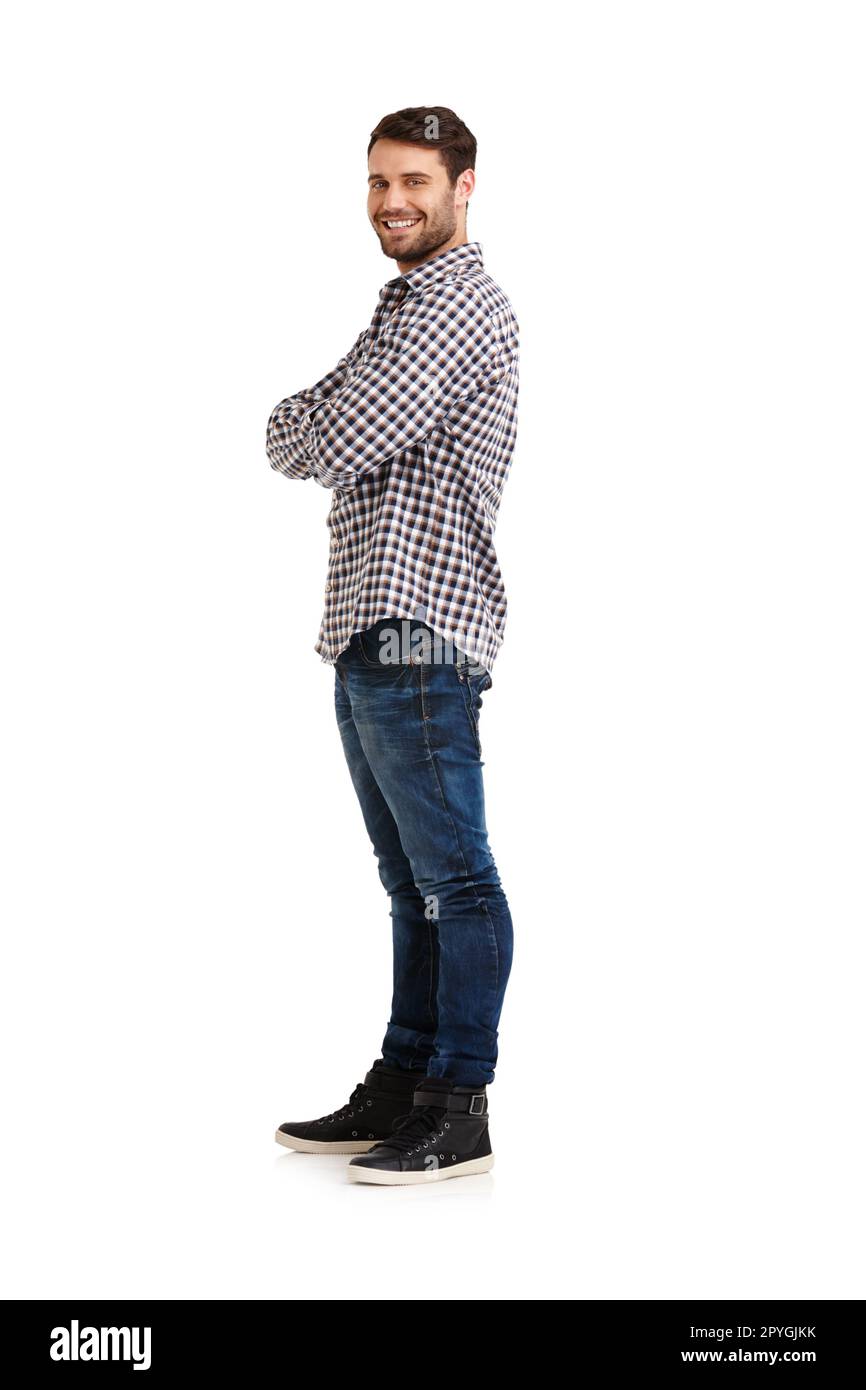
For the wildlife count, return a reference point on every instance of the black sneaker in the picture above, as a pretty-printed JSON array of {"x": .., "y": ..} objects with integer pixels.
[
  {"x": 376, "y": 1102},
  {"x": 444, "y": 1136}
]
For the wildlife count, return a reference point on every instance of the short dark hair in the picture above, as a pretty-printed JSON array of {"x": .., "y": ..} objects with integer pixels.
[{"x": 431, "y": 125}]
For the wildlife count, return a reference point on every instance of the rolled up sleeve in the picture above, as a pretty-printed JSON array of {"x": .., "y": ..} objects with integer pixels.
[{"x": 285, "y": 442}]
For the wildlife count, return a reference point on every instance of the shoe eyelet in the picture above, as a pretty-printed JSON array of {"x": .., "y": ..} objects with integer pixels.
[
  {"x": 354, "y": 1134},
  {"x": 441, "y": 1155},
  {"x": 426, "y": 1146},
  {"x": 454, "y": 1156},
  {"x": 447, "y": 1124},
  {"x": 371, "y": 1136},
  {"x": 369, "y": 1102}
]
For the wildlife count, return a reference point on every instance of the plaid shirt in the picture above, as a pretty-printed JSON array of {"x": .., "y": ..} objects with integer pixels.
[{"x": 413, "y": 431}]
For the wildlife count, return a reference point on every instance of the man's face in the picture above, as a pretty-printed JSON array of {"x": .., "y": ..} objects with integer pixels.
[{"x": 408, "y": 184}]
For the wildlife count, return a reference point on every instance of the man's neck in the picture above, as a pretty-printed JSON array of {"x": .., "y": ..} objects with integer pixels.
[{"x": 459, "y": 239}]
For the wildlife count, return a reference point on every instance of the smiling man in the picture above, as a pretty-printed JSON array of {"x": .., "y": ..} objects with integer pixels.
[{"x": 413, "y": 432}]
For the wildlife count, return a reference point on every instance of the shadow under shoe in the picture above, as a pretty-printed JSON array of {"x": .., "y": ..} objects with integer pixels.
[
  {"x": 444, "y": 1136},
  {"x": 372, "y": 1109}
]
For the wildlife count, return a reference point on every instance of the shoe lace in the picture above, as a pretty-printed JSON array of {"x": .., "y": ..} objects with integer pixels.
[
  {"x": 420, "y": 1123},
  {"x": 356, "y": 1098}
]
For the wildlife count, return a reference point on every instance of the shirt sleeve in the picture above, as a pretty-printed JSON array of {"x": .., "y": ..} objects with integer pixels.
[
  {"x": 284, "y": 443},
  {"x": 435, "y": 355}
]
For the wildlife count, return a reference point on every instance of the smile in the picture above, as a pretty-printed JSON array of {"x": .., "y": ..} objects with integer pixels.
[{"x": 401, "y": 225}]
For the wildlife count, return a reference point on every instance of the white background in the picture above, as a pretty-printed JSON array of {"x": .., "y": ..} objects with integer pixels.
[{"x": 196, "y": 944}]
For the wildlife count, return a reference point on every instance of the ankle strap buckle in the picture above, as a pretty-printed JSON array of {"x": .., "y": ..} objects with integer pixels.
[{"x": 480, "y": 1107}]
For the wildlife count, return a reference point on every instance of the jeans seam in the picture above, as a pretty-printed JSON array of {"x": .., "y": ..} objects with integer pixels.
[
  {"x": 446, "y": 808},
  {"x": 434, "y": 1016},
  {"x": 468, "y": 701},
  {"x": 491, "y": 932}
]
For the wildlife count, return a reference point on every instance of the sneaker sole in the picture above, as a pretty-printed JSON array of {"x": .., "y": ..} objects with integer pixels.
[
  {"x": 381, "y": 1175},
  {"x": 317, "y": 1146}
]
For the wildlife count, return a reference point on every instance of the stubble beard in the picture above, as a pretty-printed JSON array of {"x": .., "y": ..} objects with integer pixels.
[{"x": 438, "y": 228}]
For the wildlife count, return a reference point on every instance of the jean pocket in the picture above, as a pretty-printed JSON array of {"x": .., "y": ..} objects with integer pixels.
[
  {"x": 472, "y": 686},
  {"x": 381, "y": 646},
  {"x": 474, "y": 674}
]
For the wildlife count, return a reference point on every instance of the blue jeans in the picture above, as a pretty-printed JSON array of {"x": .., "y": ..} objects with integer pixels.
[{"x": 409, "y": 729}]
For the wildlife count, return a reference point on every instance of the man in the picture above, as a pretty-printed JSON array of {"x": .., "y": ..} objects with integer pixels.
[{"x": 413, "y": 431}]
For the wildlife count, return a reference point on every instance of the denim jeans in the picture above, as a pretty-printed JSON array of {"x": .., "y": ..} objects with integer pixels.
[{"x": 410, "y": 731}]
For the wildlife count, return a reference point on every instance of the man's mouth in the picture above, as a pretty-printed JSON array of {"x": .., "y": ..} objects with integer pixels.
[{"x": 401, "y": 224}]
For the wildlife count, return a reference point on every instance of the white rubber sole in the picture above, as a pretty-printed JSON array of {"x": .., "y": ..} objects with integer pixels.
[
  {"x": 458, "y": 1170},
  {"x": 317, "y": 1146}
]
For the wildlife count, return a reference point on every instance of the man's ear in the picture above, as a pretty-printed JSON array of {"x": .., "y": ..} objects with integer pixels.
[{"x": 466, "y": 185}]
